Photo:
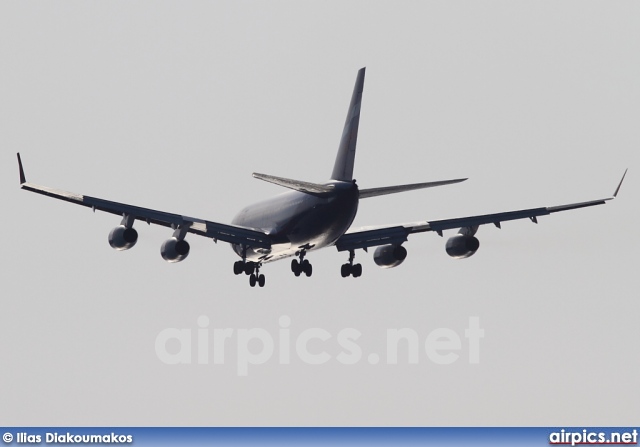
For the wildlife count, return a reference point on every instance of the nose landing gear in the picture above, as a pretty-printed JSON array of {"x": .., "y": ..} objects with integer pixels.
[
  {"x": 303, "y": 265},
  {"x": 257, "y": 277},
  {"x": 251, "y": 269}
]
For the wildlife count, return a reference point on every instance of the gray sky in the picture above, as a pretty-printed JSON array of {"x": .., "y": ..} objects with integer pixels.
[{"x": 172, "y": 105}]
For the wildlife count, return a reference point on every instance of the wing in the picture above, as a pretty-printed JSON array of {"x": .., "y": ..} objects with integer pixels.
[
  {"x": 397, "y": 234},
  {"x": 227, "y": 233}
]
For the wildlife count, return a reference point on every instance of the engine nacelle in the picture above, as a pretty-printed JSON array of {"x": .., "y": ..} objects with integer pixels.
[
  {"x": 123, "y": 238},
  {"x": 388, "y": 256},
  {"x": 174, "y": 250},
  {"x": 462, "y": 246}
]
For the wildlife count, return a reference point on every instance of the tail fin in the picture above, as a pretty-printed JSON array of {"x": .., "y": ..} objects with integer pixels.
[{"x": 343, "y": 167}]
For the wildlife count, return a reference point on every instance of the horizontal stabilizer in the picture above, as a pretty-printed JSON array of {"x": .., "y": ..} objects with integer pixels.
[
  {"x": 372, "y": 192},
  {"x": 314, "y": 189}
]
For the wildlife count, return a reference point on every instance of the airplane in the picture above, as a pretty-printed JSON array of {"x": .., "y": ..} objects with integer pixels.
[{"x": 309, "y": 217}]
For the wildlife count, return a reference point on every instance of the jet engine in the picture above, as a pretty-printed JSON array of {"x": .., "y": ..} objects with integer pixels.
[
  {"x": 388, "y": 256},
  {"x": 174, "y": 250},
  {"x": 123, "y": 238},
  {"x": 462, "y": 246}
]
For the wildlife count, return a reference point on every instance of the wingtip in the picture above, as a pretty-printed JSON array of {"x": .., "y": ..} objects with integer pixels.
[
  {"x": 22, "y": 177},
  {"x": 615, "y": 194}
]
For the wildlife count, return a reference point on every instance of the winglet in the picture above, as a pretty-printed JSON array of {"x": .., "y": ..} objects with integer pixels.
[
  {"x": 620, "y": 184},
  {"x": 22, "y": 177}
]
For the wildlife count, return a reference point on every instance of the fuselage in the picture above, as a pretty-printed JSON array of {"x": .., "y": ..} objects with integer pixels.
[{"x": 296, "y": 220}]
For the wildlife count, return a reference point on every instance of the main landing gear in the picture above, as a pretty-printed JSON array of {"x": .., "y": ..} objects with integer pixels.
[
  {"x": 252, "y": 269},
  {"x": 297, "y": 267},
  {"x": 350, "y": 268}
]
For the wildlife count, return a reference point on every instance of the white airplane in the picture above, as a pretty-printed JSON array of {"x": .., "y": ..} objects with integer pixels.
[{"x": 310, "y": 217}]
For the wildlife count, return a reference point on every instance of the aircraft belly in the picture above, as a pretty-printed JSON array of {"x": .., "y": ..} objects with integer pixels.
[{"x": 306, "y": 222}]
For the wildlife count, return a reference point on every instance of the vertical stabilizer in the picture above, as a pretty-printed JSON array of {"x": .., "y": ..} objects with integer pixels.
[{"x": 343, "y": 168}]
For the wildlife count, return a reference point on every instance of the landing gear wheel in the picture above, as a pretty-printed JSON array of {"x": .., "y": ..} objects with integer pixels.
[
  {"x": 345, "y": 270},
  {"x": 249, "y": 267},
  {"x": 356, "y": 270},
  {"x": 252, "y": 280},
  {"x": 296, "y": 267},
  {"x": 238, "y": 267},
  {"x": 261, "y": 280},
  {"x": 306, "y": 268}
]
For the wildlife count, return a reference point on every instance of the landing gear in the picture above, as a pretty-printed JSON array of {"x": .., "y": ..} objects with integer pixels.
[
  {"x": 255, "y": 278},
  {"x": 245, "y": 267},
  {"x": 351, "y": 269},
  {"x": 354, "y": 270},
  {"x": 249, "y": 268},
  {"x": 303, "y": 265}
]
